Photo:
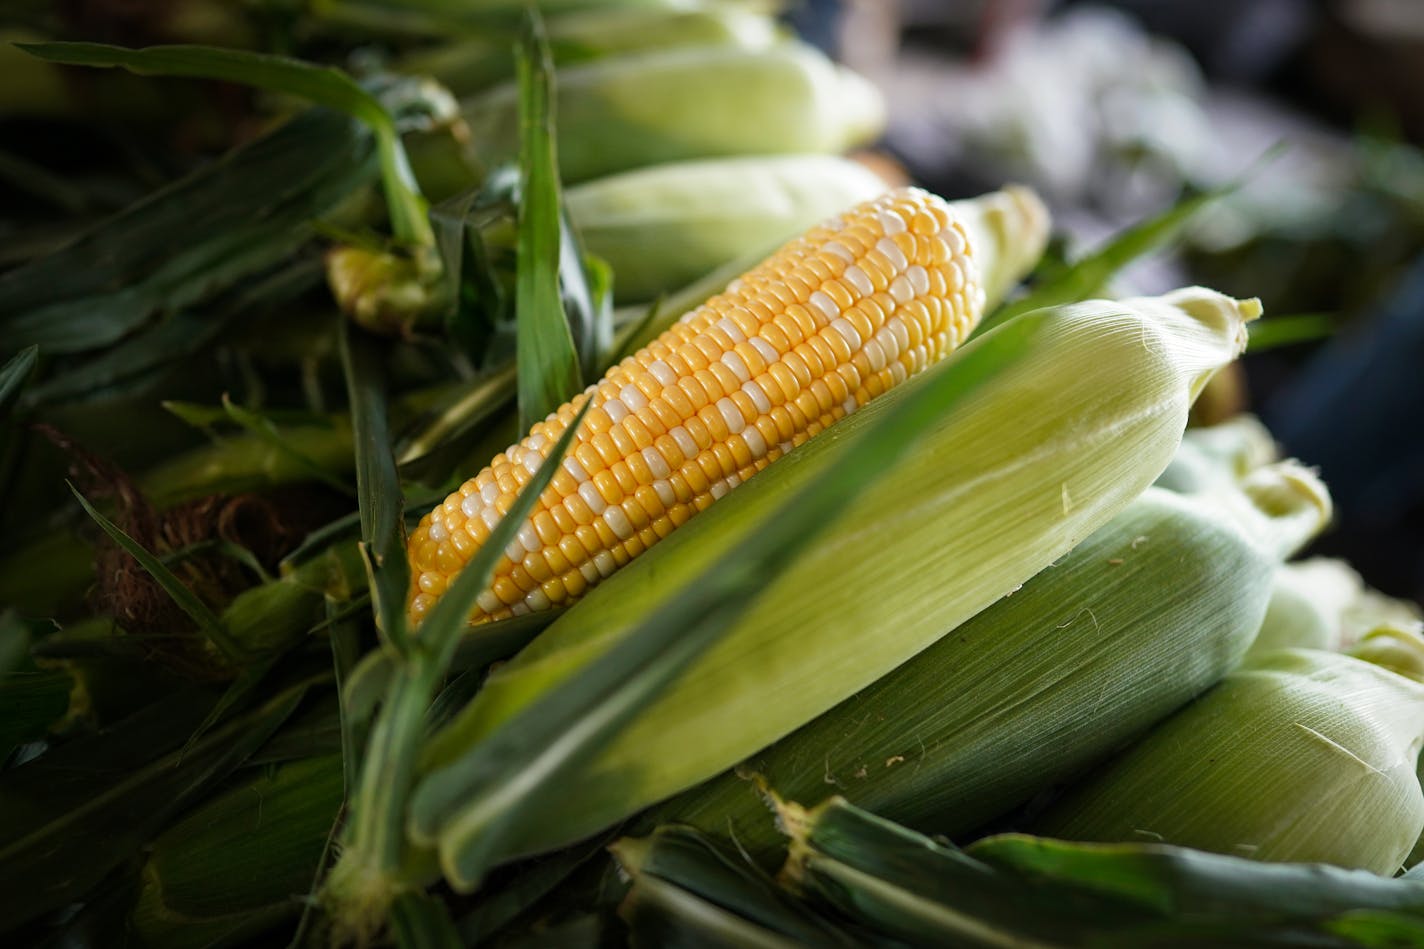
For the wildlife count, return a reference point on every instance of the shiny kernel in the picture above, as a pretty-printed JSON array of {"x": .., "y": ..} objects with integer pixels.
[
  {"x": 507, "y": 591},
  {"x": 536, "y": 566},
  {"x": 608, "y": 486},
  {"x": 558, "y": 563}
]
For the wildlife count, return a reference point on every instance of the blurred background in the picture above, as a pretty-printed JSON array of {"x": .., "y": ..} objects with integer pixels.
[
  {"x": 1115, "y": 110},
  {"x": 1309, "y": 112}
]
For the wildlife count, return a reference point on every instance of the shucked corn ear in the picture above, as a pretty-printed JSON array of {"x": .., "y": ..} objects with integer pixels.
[
  {"x": 1302, "y": 756},
  {"x": 1149, "y": 611},
  {"x": 661, "y": 228},
  {"x": 700, "y": 102},
  {"x": 832, "y": 320},
  {"x": 1040, "y": 455}
]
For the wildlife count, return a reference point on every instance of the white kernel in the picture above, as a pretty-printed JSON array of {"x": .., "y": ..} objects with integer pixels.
[
  {"x": 839, "y": 249},
  {"x": 785, "y": 447},
  {"x": 575, "y": 468},
  {"x": 618, "y": 522},
  {"x": 764, "y": 349},
  {"x": 825, "y": 304},
  {"x": 874, "y": 354},
  {"x": 532, "y": 461},
  {"x": 755, "y": 443},
  {"x": 519, "y": 608},
  {"x": 888, "y": 344},
  {"x": 727, "y": 326},
  {"x": 891, "y": 222},
  {"x": 537, "y": 600},
  {"x": 590, "y": 572},
  {"x": 897, "y": 372},
  {"x": 665, "y": 492},
  {"x": 605, "y": 564},
  {"x": 954, "y": 276},
  {"x": 490, "y": 492},
  {"x": 848, "y": 332},
  {"x": 952, "y": 240},
  {"x": 616, "y": 410},
  {"x": 685, "y": 442},
  {"x": 856, "y": 277},
  {"x": 897, "y": 326},
  {"x": 733, "y": 481},
  {"x": 536, "y": 441},
  {"x": 633, "y": 397},
  {"x": 472, "y": 504},
  {"x": 589, "y": 492},
  {"x": 662, "y": 372},
  {"x": 731, "y": 415},
  {"x": 488, "y": 602},
  {"x": 734, "y": 284},
  {"x": 437, "y": 531},
  {"x": 919, "y": 279},
  {"x": 719, "y": 489},
  {"x": 901, "y": 291},
  {"x": 893, "y": 253},
  {"x": 734, "y": 362},
  {"x": 514, "y": 551},
  {"x": 657, "y": 464},
  {"x": 529, "y": 538},
  {"x": 849, "y": 405},
  {"x": 757, "y": 394},
  {"x": 491, "y": 517}
]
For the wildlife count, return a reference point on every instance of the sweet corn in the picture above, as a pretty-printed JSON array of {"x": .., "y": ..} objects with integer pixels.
[
  {"x": 700, "y": 102},
  {"x": 1043, "y": 452},
  {"x": 1302, "y": 756},
  {"x": 831, "y": 321}
]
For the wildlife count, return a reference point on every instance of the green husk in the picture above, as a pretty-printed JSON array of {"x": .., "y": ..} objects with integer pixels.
[
  {"x": 1222, "y": 452},
  {"x": 240, "y": 863},
  {"x": 1302, "y": 756},
  {"x": 1016, "y": 890},
  {"x": 1323, "y": 603},
  {"x": 1009, "y": 478},
  {"x": 699, "y": 102},
  {"x": 661, "y": 228},
  {"x": 1145, "y": 614}
]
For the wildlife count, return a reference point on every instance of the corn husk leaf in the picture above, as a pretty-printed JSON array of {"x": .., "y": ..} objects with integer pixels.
[
  {"x": 200, "y": 235},
  {"x": 72, "y": 815}
]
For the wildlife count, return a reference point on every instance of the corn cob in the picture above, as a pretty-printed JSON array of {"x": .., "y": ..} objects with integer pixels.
[
  {"x": 1145, "y": 614},
  {"x": 661, "y": 228},
  {"x": 831, "y": 321},
  {"x": 1303, "y": 755},
  {"x": 701, "y": 102},
  {"x": 1048, "y": 450}
]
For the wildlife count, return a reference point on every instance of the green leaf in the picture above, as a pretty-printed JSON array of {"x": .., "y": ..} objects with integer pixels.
[
  {"x": 549, "y": 373},
  {"x": 207, "y": 621},
  {"x": 420, "y": 921},
  {"x": 264, "y": 430},
  {"x": 322, "y": 85},
  {"x": 74, "y": 814},
  {"x": 375, "y": 842},
  {"x": 1274, "y": 331},
  {"x": 510, "y": 778},
  {"x": 13, "y": 376},
  {"x": 188, "y": 241},
  {"x": 377, "y": 484}
]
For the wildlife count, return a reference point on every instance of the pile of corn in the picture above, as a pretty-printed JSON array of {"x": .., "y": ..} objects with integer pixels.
[{"x": 831, "y": 568}]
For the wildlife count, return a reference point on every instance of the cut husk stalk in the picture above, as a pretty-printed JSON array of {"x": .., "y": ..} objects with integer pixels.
[
  {"x": 1145, "y": 614},
  {"x": 1302, "y": 756},
  {"x": 1045, "y": 452}
]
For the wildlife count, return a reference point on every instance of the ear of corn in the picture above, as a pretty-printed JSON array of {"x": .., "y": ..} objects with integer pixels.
[
  {"x": 1145, "y": 614},
  {"x": 1308, "y": 600},
  {"x": 830, "y": 322},
  {"x": 470, "y": 63},
  {"x": 1302, "y": 756},
  {"x": 700, "y": 102},
  {"x": 1223, "y": 452},
  {"x": 1042, "y": 454},
  {"x": 662, "y": 227}
]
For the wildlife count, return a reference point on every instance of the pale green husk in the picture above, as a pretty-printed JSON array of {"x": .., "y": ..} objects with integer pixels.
[
  {"x": 1305, "y": 755},
  {"x": 660, "y": 228},
  {"x": 700, "y": 102},
  {"x": 1039, "y": 457},
  {"x": 1145, "y": 614}
]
